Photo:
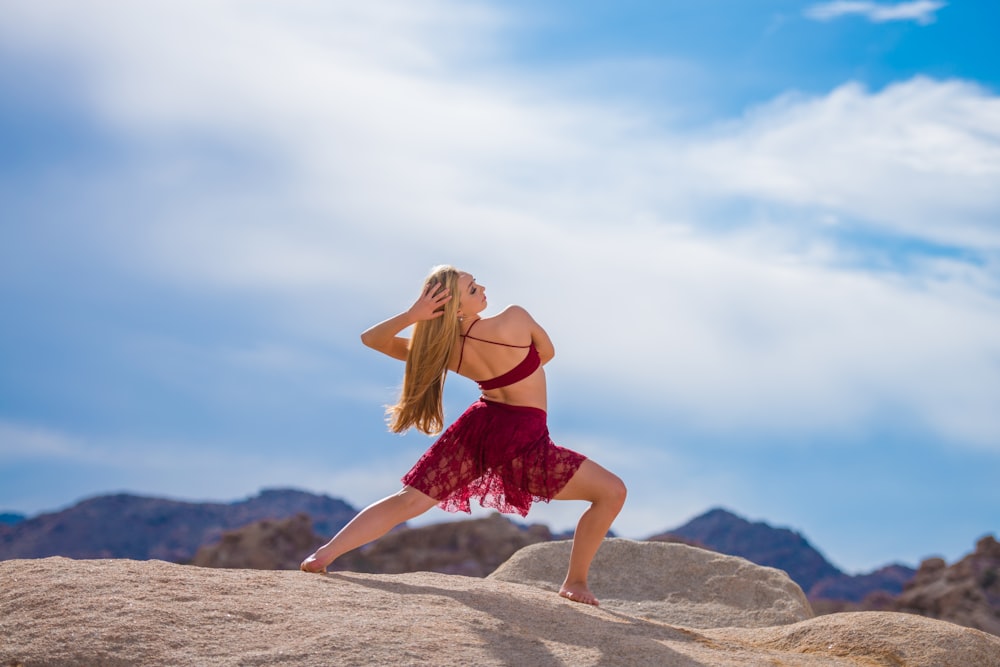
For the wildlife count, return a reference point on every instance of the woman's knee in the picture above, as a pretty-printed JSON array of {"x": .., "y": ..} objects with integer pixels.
[
  {"x": 610, "y": 490},
  {"x": 616, "y": 491},
  {"x": 596, "y": 485}
]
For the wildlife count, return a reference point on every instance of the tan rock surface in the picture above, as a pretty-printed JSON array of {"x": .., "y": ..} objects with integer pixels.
[
  {"x": 883, "y": 638},
  {"x": 671, "y": 583},
  {"x": 59, "y": 612}
]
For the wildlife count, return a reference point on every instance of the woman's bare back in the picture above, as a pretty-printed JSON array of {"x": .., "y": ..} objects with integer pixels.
[{"x": 498, "y": 344}]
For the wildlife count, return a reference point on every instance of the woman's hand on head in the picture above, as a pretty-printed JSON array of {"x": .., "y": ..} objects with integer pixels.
[{"x": 431, "y": 303}]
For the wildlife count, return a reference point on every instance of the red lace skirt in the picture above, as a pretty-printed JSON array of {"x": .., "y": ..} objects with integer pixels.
[{"x": 499, "y": 454}]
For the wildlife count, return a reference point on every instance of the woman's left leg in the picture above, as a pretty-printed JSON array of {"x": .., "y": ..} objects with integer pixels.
[
  {"x": 370, "y": 524},
  {"x": 606, "y": 493}
]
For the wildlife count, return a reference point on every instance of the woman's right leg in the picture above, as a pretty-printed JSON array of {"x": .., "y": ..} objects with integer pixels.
[
  {"x": 370, "y": 524},
  {"x": 606, "y": 494}
]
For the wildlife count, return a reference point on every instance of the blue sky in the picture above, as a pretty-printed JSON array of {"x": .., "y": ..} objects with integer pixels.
[{"x": 763, "y": 236}]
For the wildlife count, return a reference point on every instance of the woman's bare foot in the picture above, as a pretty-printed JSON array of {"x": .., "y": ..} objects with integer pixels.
[
  {"x": 313, "y": 564},
  {"x": 578, "y": 593}
]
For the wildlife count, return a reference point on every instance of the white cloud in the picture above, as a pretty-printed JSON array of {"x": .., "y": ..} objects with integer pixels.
[
  {"x": 921, "y": 11},
  {"x": 747, "y": 343},
  {"x": 917, "y": 159},
  {"x": 388, "y": 144}
]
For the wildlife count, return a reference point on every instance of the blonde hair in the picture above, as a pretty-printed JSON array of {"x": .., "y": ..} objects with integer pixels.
[{"x": 420, "y": 403}]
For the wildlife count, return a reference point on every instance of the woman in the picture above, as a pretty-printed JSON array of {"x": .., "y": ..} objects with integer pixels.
[{"x": 499, "y": 450}]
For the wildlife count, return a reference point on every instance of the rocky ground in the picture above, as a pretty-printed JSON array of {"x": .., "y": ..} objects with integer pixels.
[{"x": 663, "y": 604}]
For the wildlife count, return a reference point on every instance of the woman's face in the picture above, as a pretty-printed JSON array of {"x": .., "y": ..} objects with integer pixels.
[{"x": 471, "y": 296}]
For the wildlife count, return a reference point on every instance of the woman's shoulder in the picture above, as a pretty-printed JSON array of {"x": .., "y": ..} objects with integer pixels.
[
  {"x": 513, "y": 314},
  {"x": 511, "y": 323}
]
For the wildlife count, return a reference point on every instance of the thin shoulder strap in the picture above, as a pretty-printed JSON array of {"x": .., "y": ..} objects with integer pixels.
[
  {"x": 468, "y": 334},
  {"x": 461, "y": 350},
  {"x": 494, "y": 342}
]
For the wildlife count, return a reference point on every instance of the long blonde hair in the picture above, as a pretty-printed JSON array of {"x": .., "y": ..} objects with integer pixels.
[{"x": 420, "y": 403}]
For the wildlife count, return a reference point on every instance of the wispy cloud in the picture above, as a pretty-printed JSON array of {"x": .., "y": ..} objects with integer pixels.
[
  {"x": 921, "y": 11},
  {"x": 734, "y": 231},
  {"x": 19, "y": 442}
]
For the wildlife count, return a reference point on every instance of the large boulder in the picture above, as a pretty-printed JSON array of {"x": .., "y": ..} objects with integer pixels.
[
  {"x": 672, "y": 583},
  {"x": 758, "y": 542},
  {"x": 882, "y": 638},
  {"x": 60, "y": 613}
]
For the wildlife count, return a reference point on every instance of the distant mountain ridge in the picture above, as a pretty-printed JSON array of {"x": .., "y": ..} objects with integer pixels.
[
  {"x": 725, "y": 532},
  {"x": 137, "y": 527}
]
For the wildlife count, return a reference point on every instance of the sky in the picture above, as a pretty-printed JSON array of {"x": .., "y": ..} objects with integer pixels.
[{"x": 764, "y": 238}]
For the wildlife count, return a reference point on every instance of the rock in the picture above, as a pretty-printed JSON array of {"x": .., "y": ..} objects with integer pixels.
[
  {"x": 785, "y": 549},
  {"x": 884, "y": 638},
  {"x": 60, "y": 613},
  {"x": 967, "y": 593},
  {"x": 758, "y": 542},
  {"x": 473, "y": 548},
  {"x": 271, "y": 544},
  {"x": 670, "y": 583}
]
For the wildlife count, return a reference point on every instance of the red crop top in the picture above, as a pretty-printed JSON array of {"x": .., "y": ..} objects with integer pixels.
[{"x": 528, "y": 365}]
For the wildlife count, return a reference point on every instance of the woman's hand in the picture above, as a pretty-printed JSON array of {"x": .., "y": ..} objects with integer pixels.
[
  {"x": 431, "y": 303},
  {"x": 382, "y": 336}
]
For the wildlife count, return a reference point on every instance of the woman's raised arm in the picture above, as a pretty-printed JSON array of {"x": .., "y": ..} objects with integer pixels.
[{"x": 383, "y": 336}]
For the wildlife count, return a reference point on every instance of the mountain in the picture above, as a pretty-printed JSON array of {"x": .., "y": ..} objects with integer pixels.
[
  {"x": 9, "y": 519},
  {"x": 758, "y": 542},
  {"x": 127, "y": 526},
  {"x": 854, "y": 588}
]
